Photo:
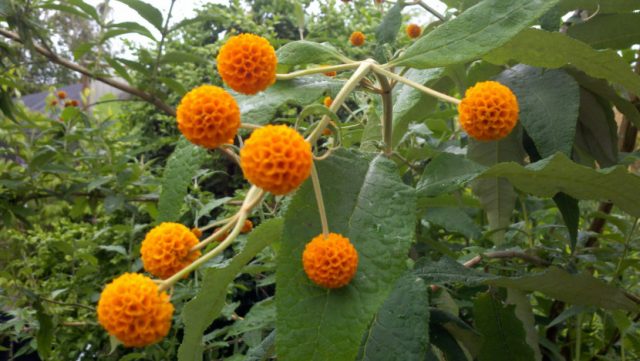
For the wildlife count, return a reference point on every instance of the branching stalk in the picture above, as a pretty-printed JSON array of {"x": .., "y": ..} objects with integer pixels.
[
  {"x": 434, "y": 93},
  {"x": 387, "y": 118},
  {"x": 322, "y": 69}
]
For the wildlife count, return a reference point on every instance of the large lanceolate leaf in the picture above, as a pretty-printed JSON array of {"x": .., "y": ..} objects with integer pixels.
[
  {"x": 307, "y": 52},
  {"x": 579, "y": 289},
  {"x": 260, "y": 108},
  {"x": 474, "y": 33},
  {"x": 553, "y": 50},
  {"x": 388, "y": 29},
  {"x": 367, "y": 202},
  {"x": 497, "y": 196},
  {"x": 596, "y": 136},
  {"x": 400, "y": 330},
  {"x": 412, "y": 105},
  {"x": 612, "y": 31},
  {"x": 202, "y": 310},
  {"x": 504, "y": 336},
  {"x": 180, "y": 169},
  {"x": 549, "y": 102},
  {"x": 559, "y": 174}
]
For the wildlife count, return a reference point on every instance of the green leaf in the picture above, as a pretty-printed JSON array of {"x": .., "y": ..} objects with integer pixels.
[
  {"x": 304, "y": 52},
  {"x": 147, "y": 11},
  {"x": 482, "y": 28},
  {"x": 524, "y": 313},
  {"x": 174, "y": 85},
  {"x": 180, "y": 57},
  {"x": 260, "y": 108},
  {"x": 64, "y": 8},
  {"x": 412, "y": 105},
  {"x": 447, "y": 344},
  {"x": 126, "y": 28},
  {"x": 453, "y": 220},
  {"x": 578, "y": 289},
  {"x": 446, "y": 270},
  {"x": 497, "y": 196},
  {"x": 265, "y": 350},
  {"x": 597, "y": 130},
  {"x": 559, "y": 174},
  {"x": 504, "y": 336},
  {"x": 387, "y": 31},
  {"x": 181, "y": 167},
  {"x": 445, "y": 173},
  {"x": 86, "y": 8},
  {"x": 372, "y": 132},
  {"x": 319, "y": 324},
  {"x": 120, "y": 70},
  {"x": 554, "y": 50},
  {"x": 570, "y": 210},
  {"x": 549, "y": 102},
  {"x": 205, "y": 307},
  {"x": 44, "y": 336},
  {"x": 611, "y": 31},
  {"x": 603, "y": 7},
  {"x": 400, "y": 330},
  {"x": 460, "y": 330}
]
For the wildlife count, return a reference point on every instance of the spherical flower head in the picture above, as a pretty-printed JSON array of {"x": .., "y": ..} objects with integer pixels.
[
  {"x": 330, "y": 261},
  {"x": 247, "y": 63},
  {"x": 133, "y": 310},
  {"x": 62, "y": 94},
  {"x": 489, "y": 111},
  {"x": 276, "y": 158},
  {"x": 208, "y": 116},
  {"x": 54, "y": 102},
  {"x": 327, "y": 101},
  {"x": 247, "y": 226},
  {"x": 357, "y": 38},
  {"x": 330, "y": 73},
  {"x": 166, "y": 249},
  {"x": 413, "y": 31},
  {"x": 68, "y": 103}
]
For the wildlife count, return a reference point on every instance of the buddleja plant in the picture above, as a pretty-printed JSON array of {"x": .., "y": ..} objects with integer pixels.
[{"x": 349, "y": 284}]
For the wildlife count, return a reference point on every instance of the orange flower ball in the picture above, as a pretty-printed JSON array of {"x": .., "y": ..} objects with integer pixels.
[
  {"x": 276, "y": 158},
  {"x": 327, "y": 101},
  {"x": 247, "y": 226},
  {"x": 62, "y": 94},
  {"x": 330, "y": 261},
  {"x": 165, "y": 249},
  {"x": 133, "y": 310},
  {"x": 54, "y": 102},
  {"x": 357, "y": 38},
  {"x": 208, "y": 116},
  {"x": 489, "y": 111},
  {"x": 247, "y": 63},
  {"x": 413, "y": 31}
]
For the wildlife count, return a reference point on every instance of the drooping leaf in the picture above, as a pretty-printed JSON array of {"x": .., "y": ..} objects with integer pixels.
[
  {"x": 504, "y": 338},
  {"x": 44, "y": 336},
  {"x": 597, "y": 131},
  {"x": 608, "y": 31},
  {"x": 412, "y": 105},
  {"x": 146, "y": 11},
  {"x": 461, "y": 331},
  {"x": 446, "y": 270},
  {"x": 372, "y": 132},
  {"x": 180, "y": 169},
  {"x": 319, "y": 324},
  {"x": 482, "y": 28},
  {"x": 202, "y": 310},
  {"x": 570, "y": 210},
  {"x": 304, "y": 52},
  {"x": 446, "y": 344},
  {"x": 497, "y": 196},
  {"x": 453, "y": 220},
  {"x": 524, "y": 313},
  {"x": 387, "y": 31},
  {"x": 554, "y": 50},
  {"x": 549, "y": 102},
  {"x": 264, "y": 350},
  {"x": 126, "y": 28},
  {"x": 86, "y": 8},
  {"x": 559, "y": 174},
  {"x": 260, "y": 108},
  {"x": 445, "y": 173},
  {"x": 400, "y": 330}
]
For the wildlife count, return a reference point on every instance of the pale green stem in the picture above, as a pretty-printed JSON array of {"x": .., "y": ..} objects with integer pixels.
[
  {"x": 251, "y": 200},
  {"x": 434, "y": 93},
  {"x": 363, "y": 69},
  {"x": 321, "y": 69},
  {"x": 250, "y": 126},
  {"x": 216, "y": 223},
  {"x": 318, "y": 191},
  {"x": 216, "y": 235},
  {"x": 387, "y": 109}
]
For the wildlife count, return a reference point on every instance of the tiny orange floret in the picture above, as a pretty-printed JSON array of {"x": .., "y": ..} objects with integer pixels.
[
  {"x": 247, "y": 63},
  {"x": 132, "y": 309},
  {"x": 330, "y": 261},
  {"x": 276, "y": 158},
  {"x": 62, "y": 94},
  {"x": 327, "y": 101},
  {"x": 166, "y": 249},
  {"x": 413, "y": 31},
  {"x": 357, "y": 38},
  {"x": 247, "y": 226},
  {"x": 489, "y": 111},
  {"x": 196, "y": 232},
  {"x": 208, "y": 116},
  {"x": 54, "y": 102}
]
